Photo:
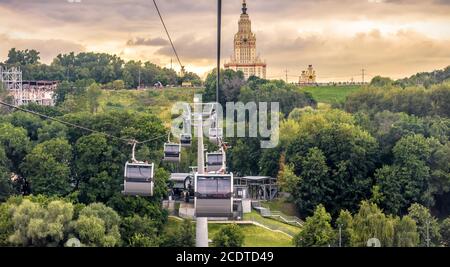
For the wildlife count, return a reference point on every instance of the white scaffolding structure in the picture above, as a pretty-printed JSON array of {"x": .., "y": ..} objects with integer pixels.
[{"x": 12, "y": 81}]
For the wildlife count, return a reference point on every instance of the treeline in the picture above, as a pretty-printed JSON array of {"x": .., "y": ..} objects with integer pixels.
[
  {"x": 414, "y": 100},
  {"x": 108, "y": 70},
  {"x": 369, "y": 226},
  {"x": 234, "y": 88},
  {"x": 425, "y": 79}
]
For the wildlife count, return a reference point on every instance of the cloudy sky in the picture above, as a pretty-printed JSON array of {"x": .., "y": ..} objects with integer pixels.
[{"x": 396, "y": 38}]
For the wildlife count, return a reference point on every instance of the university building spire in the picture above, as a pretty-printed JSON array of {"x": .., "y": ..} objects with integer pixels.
[{"x": 245, "y": 57}]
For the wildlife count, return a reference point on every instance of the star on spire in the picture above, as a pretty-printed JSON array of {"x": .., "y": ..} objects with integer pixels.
[{"x": 244, "y": 7}]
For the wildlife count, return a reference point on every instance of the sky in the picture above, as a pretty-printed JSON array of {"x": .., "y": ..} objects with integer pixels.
[{"x": 395, "y": 38}]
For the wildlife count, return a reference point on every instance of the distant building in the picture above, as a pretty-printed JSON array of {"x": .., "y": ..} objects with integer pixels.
[
  {"x": 308, "y": 76},
  {"x": 245, "y": 58},
  {"x": 39, "y": 92},
  {"x": 25, "y": 92}
]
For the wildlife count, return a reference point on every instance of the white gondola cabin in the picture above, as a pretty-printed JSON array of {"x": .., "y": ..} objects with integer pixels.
[
  {"x": 214, "y": 161},
  {"x": 138, "y": 179},
  {"x": 172, "y": 152},
  {"x": 186, "y": 140},
  {"x": 215, "y": 134},
  {"x": 213, "y": 195}
]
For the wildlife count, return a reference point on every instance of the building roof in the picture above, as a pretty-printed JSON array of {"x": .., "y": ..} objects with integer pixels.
[{"x": 179, "y": 177}]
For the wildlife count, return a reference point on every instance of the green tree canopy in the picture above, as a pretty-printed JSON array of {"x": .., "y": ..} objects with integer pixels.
[
  {"x": 317, "y": 230},
  {"x": 229, "y": 236}
]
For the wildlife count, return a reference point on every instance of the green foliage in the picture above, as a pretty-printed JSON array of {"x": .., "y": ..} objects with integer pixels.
[
  {"x": 231, "y": 83},
  {"x": 371, "y": 222},
  {"x": 317, "y": 231},
  {"x": 427, "y": 225},
  {"x": 22, "y": 57},
  {"x": 137, "y": 231},
  {"x": 52, "y": 130},
  {"x": 406, "y": 234},
  {"x": 350, "y": 155},
  {"x": 182, "y": 236},
  {"x": 6, "y": 224},
  {"x": 229, "y": 236},
  {"x": 6, "y": 184},
  {"x": 47, "y": 168},
  {"x": 408, "y": 180},
  {"x": 345, "y": 222},
  {"x": 288, "y": 96},
  {"x": 414, "y": 101},
  {"x": 35, "y": 225},
  {"x": 426, "y": 78},
  {"x": 379, "y": 81},
  {"x": 29, "y": 122},
  {"x": 315, "y": 186},
  {"x": 93, "y": 93},
  {"x": 445, "y": 232},
  {"x": 15, "y": 142},
  {"x": 98, "y": 225}
]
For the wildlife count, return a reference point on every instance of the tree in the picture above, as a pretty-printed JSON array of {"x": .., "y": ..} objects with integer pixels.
[
  {"x": 38, "y": 225},
  {"x": 22, "y": 57},
  {"x": 315, "y": 186},
  {"x": 6, "y": 184},
  {"x": 317, "y": 230},
  {"x": 96, "y": 166},
  {"x": 345, "y": 223},
  {"x": 118, "y": 85},
  {"x": 427, "y": 225},
  {"x": 408, "y": 180},
  {"x": 445, "y": 232},
  {"x": 47, "y": 168},
  {"x": 229, "y": 236},
  {"x": 98, "y": 225},
  {"x": 350, "y": 154},
  {"x": 6, "y": 224},
  {"x": 231, "y": 83},
  {"x": 29, "y": 122},
  {"x": 137, "y": 231},
  {"x": 371, "y": 222},
  {"x": 93, "y": 94},
  {"x": 52, "y": 130},
  {"x": 406, "y": 234},
  {"x": 183, "y": 236},
  {"x": 16, "y": 144},
  {"x": 379, "y": 81}
]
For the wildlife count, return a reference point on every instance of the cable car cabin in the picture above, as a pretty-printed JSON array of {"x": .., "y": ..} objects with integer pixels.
[
  {"x": 215, "y": 134},
  {"x": 214, "y": 161},
  {"x": 186, "y": 140},
  {"x": 214, "y": 195},
  {"x": 138, "y": 179},
  {"x": 172, "y": 152}
]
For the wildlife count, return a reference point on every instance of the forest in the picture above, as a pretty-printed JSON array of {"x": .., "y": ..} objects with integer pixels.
[{"x": 375, "y": 164}]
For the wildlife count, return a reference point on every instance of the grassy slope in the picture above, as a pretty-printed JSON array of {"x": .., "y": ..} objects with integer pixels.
[
  {"x": 272, "y": 223},
  {"x": 255, "y": 236},
  {"x": 330, "y": 94},
  {"x": 282, "y": 205}
]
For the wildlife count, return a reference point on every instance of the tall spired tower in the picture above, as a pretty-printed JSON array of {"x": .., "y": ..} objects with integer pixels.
[{"x": 245, "y": 58}]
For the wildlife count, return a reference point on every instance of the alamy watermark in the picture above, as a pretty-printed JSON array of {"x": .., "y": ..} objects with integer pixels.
[{"x": 250, "y": 120}]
